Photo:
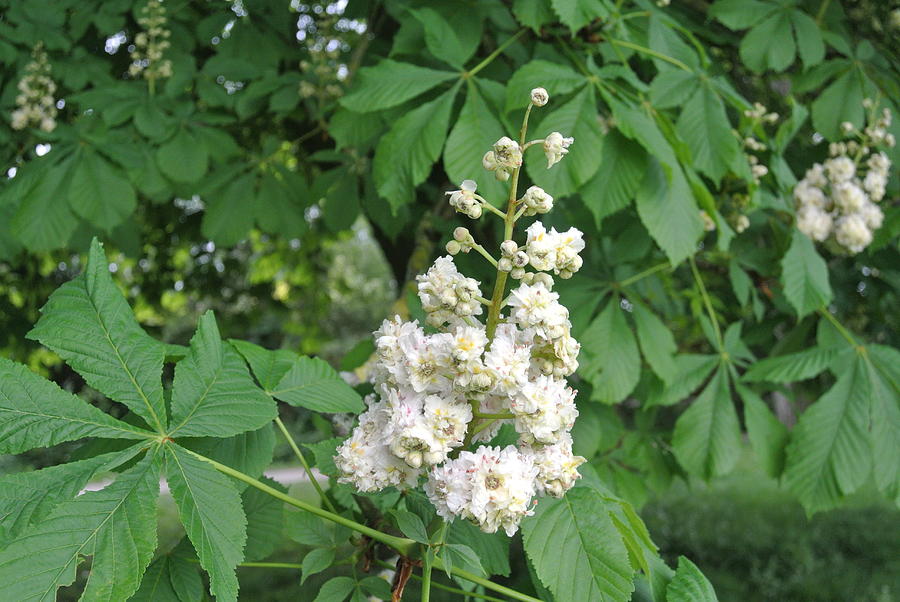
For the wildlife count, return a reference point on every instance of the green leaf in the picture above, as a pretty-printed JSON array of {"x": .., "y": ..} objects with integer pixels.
[
  {"x": 250, "y": 452},
  {"x": 229, "y": 213},
  {"x": 462, "y": 556},
  {"x": 171, "y": 577},
  {"x": 768, "y": 436},
  {"x": 691, "y": 370},
  {"x": 312, "y": 384},
  {"x": 476, "y": 130},
  {"x": 740, "y": 282},
  {"x": 575, "y": 14},
  {"x": 664, "y": 39},
  {"x": 44, "y": 220},
  {"x": 884, "y": 379},
  {"x": 269, "y": 367},
  {"x": 666, "y": 207},
  {"x": 213, "y": 393},
  {"x": 611, "y": 359},
  {"x": 265, "y": 521},
  {"x": 622, "y": 166},
  {"x": 689, "y": 584},
  {"x": 757, "y": 50},
  {"x": 492, "y": 548},
  {"x": 276, "y": 209},
  {"x": 452, "y": 36},
  {"x": 35, "y": 412},
  {"x": 704, "y": 126},
  {"x": 390, "y": 83},
  {"x": 794, "y": 366},
  {"x": 809, "y": 39},
  {"x": 210, "y": 510},
  {"x": 576, "y": 550},
  {"x": 672, "y": 88},
  {"x": 117, "y": 526},
  {"x": 324, "y": 451},
  {"x": 183, "y": 158},
  {"x": 556, "y": 78},
  {"x": 804, "y": 276},
  {"x": 839, "y": 102},
  {"x": 657, "y": 343},
  {"x": 404, "y": 157},
  {"x": 577, "y": 118},
  {"x": 100, "y": 193},
  {"x": 315, "y": 562},
  {"x": 707, "y": 437},
  {"x": 740, "y": 14},
  {"x": 533, "y": 13},
  {"x": 28, "y": 497},
  {"x": 336, "y": 590},
  {"x": 90, "y": 325},
  {"x": 410, "y": 525},
  {"x": 829, "y": 454}
]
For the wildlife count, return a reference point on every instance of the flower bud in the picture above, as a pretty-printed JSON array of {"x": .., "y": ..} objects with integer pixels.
[
  {"x": 517, "y": 273},
  {"x": 520, "y": 259},
  {"x": 453, "y": 247},
  {"x": 539, "y": 97},
  {"x": 509, "y": 247},
  {"x": 504, "y": 265}
]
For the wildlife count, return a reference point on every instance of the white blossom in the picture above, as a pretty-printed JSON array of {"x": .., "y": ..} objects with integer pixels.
[
  {"x": 446, "y": 294},
  {"x": 544, "y": 409},
  {"x": 464, "y": 201},
  {"x": 557, "y": 465},
  {"x": 556, "y": 147},
  {"x": 852, "y": 233},
  {"x": 539, "y": 97},
  {"x": 814, "y": 222},
  {"x": 536, "y": 201}
]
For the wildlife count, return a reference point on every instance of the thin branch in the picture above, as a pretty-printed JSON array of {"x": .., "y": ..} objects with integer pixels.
[{"x": 305, "y": 464}]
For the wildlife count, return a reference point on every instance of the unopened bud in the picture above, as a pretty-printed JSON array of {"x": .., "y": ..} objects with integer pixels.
[
  {"x": 504, "y": 265},
  {"x": 539, "y": 97},
  {"x": 453, "y": 247},
  {"x": 461, "y": 234},
  {"x": 509, "y": 247}
]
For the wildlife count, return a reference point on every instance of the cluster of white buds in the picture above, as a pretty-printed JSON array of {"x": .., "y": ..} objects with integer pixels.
[
  {"x": 447, "y": 296},
  {"x": 438, "y": 393},
  {"x": 759, "y": 112},
  {"x": 557, "y": 251},
  {"x": 709, "y": 223},
  {"x": 556, "y": 146},
  {"x": 836, "y": 200},
  {"x": 464, "y": 200},
  {"x": 505, "y": 158},
  {"x": 149, "y": 44},
  {"x": 35, "y": 103}
]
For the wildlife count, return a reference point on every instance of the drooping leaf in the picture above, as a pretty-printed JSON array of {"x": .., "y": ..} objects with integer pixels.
[
  {"x": 804, "y": 276},
  {"x": 311, "y": 383},
  {"x": 35, "y": 412},
  {"x": 768, "y": 436},
  {"x": 611, "y": 359},
  {"x": 116, "y": 525},
  {"x": 229, "y": 213},
  {"x": 794, "y": 366},
  {"x": 691, "y": 370},
  {"x": 707, "y": 437},
  {"x": 533, "y": 13},
  {"x": 183, "y": 158},
  {"x": 883, "y": 372},
  {"x": 265, "y": 521},
  {"x": 704, "y": 126},
  {"x": 405, "y": 155},
  {"x": 210, "y": 510},
  {"x": 475, "y": 131},
  {"x": 249, "y": 452},
  {"x": 390, "y": 83},
  {"x": 829, "y": 455},
  {"x": 170, "y": 578},
  {"x": 213, "y": 393},
  {"x": 667, "y": 208},
  {"x": 672, "y": 88},
  {"x": 757, "y": 50},
  {"x": 622, "y": 166},
  {"x": 44, "y": 220},
  {"x": 689, "y": 584},
  {"x": 268, "y": 366},
  {"x": 90, "y": 325},
  {"x": 741, "y": 14},
  {"x": 575, "y": 14},
  {"x": 578, "y": 530},
  {"x": 28, "y": 497},
  {"x": 492, "y": 548},
  {"x": 839, "y": 102},
  {"x": 657, "y": 342},
  {"x": 316, "y": 561},
  {"x": 809, "y": 39},
  {"x": 99, "y": 193},
  {"x": 451, "y": 35}
]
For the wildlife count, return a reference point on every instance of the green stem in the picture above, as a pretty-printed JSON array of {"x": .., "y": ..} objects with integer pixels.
[
  {"x": 426, "y": 575},
  {"x": 821, "y": 14},
  {"x": 640, "y": 276},
  {"x": 400, "y": 544},
  {"x": 483, "y": 252},
  {"x": 487, "y": 583},
  {"x": 306, "y": 466},
  {"x": 446, "y": 588},
  {"x": 651, "y": 52},
  {"x": 840, "y": 327},
  {"x": 496, "y": 53},
  {"x": 707, "y": 302}
]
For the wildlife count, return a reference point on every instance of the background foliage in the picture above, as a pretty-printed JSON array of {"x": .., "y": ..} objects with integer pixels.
[{"x": 290, "y": 177}]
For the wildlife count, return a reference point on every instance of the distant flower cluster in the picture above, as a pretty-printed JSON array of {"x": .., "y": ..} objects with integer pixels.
[
  {"x": 837, "y": 200},
  {"x": 151, "y": 43},
  {"x": 35, "y": 103},
  {"x": 437, "y": 393}
]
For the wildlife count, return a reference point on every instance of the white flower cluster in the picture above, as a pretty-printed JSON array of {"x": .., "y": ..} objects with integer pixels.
[
  {"x": 149, "y": 45},
  {"x": 505, "y": 158},
  {"x": 437, "y": 392},
  {"x": 35, "y": 103},
  {"x": 836, "y": 200}
]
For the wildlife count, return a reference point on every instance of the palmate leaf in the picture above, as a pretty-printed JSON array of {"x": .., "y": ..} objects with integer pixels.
[
  {"x": 704, "y": 126},
  {"x": 390, "y": 83},
  {"x": 667, "y": 208},
  {"x": 883, "y": 371},
  {"x": 804, "y": 276},
  {"x": 657, "y": 342},
  {"x": 210, "y": 509},
  {"x": 576, "y": 550},
  {"x": 170, "y": 578},
  {"x": 213, "y": 393},
  {"x": 689, "y": 584},
  {"x": 556, "y": 78},
  {"x": 90, "y": 325},
  {"x": 707, "y": 437},
  {"x": 28, "y": 497},
  {"x": 794, "y": 366},
  {"x": 622, "y": 166},
  {"x": 768, "y": 436},
  {"x": 829, "y": 455},
  {"x": 35, "y": 412},
  {"x": 611, "y": 361},
  {"x": 116, "y": 525}
]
